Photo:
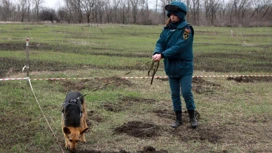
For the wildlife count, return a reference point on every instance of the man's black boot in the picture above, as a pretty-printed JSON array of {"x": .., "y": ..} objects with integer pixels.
[
  {"x": 193, "y": 120},
  {"x": 178, "y": 120}
]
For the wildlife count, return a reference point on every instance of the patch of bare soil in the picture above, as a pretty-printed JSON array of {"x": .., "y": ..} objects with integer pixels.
[
  {"x": 167, "y": 114},
  {"x": 10, "y": 66},
  {"x": 97, "y": 151},
  {"x": 60, "y": 48},
  {"x": 71, "y": 85},
  {"x": 248, "y": 79},
  {"x": 146, "y": 149},
  {"x": 93, "y": 84},
  {"x": 150, "y": 149},
  {"x": 94, "y": 116},
  {"x": 138, "y": 129},
  {"x": 186, "y": 133},
  {"x": 115, "y": 81},
  {"x": 21, "y": 46},
  {"x": 130, "y": 100},
  {"x": 112, "y": 107},
  {"x": 202, "y": 86},
  {"x": 259, "y": 119},
  {"x": 126, "y": 102},
  {"x": 37, "y": 65},
  {"x": 201, "y": 133}
]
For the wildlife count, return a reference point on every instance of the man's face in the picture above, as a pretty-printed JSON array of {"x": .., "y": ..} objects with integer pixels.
[{"x": 174, "y": 18}]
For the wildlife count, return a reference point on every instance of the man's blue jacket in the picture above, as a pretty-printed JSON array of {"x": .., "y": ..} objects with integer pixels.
[{"x": 176, "y": 47}]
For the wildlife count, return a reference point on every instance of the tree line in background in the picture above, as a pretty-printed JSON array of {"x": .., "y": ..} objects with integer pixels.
[{"x": 145, "y": 12}]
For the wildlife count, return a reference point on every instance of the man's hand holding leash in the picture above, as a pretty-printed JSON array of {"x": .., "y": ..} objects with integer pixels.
[
  {"x": 156, "y": 57},
  {"x": 154, "y": 66}
]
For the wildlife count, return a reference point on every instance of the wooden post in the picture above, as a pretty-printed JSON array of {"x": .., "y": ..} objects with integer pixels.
[{"x": 27, "y": 57}]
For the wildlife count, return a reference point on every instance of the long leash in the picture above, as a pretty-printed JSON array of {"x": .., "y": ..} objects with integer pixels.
[
  {"x": 31, "y": 87},
  {"x": 57, "y": 141},
  {"x": 153, "y": 68}
]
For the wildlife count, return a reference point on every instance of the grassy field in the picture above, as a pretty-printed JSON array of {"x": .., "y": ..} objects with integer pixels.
[{"x": 130, "y": 115}]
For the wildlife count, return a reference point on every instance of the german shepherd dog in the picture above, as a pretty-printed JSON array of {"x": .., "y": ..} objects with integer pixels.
[{"x": 73, "y": 121}]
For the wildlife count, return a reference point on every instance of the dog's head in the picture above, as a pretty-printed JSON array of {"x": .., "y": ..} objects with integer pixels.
[{"x": 73, "y": 134}]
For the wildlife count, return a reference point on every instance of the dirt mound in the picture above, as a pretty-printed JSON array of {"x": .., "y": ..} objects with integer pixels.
[
  {"x": 97, "y": 151},
  {"x": 20, "y": 46},
  {"x": 138, "y": 129},
  {"x": 150, "y": 149},
  {"x": 115, "y": 81},
  {"x": 112, "y": 107},
  {"x": 73, "y": 86},
  {"x": 92, "y": 84},
  {"x": 146, "y": 149},
  {"x": 248, "y": 79},
  {"x": 93, "y": 116},
  {"x": 130, "y": 100},
  {"x": 167, "y": 114},
  {"x": 125, "y": 102},
  {"x": 201, "y": 86},
  {"x": 137, "y": 99},
  {"x": 201, "y": 133}
]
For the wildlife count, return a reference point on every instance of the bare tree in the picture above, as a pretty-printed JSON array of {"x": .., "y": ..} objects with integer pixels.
[
  {"x": 125, "y": 11},
  {"x": 116, "y": 6},
  {"x": 5, "y": 10},
  {"x": 200, "y": 12},
  {"x": 100, "y": 10},
  {"x": 22, "y": 9},
  {"x": 238, "y": 11},
  {"x": 63, "y": 14},
  {"x": 37, "y": 6},
  {"x": 195, "y": 11},
  {"x": 28, "y": 10},
  {"x": 144, "y": 12},
  {"x": 134, "y": 5},
  {"x": 211, "y": 8},
  {"x": 163, "y": 4},
  {"x": 222, "y": 13},
  {"x": 259, "y": 6},
  {"x": 75, "y": 8},
  {"x": 108, "y": 11},
  {"x": 137, "y": 8},
  {"x": 88, "y": 6},
  {"x": 156, "y": 6},
  {"x": 69, "y": 11}
]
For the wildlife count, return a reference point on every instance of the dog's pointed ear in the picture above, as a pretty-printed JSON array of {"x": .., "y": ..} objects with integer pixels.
[
  {"x": 66, "y": 130},
  {"x": 84, "y": 130},
  {"x": 82, "y": 96}
]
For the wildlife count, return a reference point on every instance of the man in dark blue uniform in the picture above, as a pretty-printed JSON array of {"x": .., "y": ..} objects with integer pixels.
[{"x": 175, "y": 46}]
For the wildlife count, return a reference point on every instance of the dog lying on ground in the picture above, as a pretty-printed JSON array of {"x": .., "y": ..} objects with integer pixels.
[{"x": 73, "y": 121}]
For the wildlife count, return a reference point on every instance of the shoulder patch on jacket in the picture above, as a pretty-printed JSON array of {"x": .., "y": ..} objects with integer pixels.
[{"x": 186, "y": 33}]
